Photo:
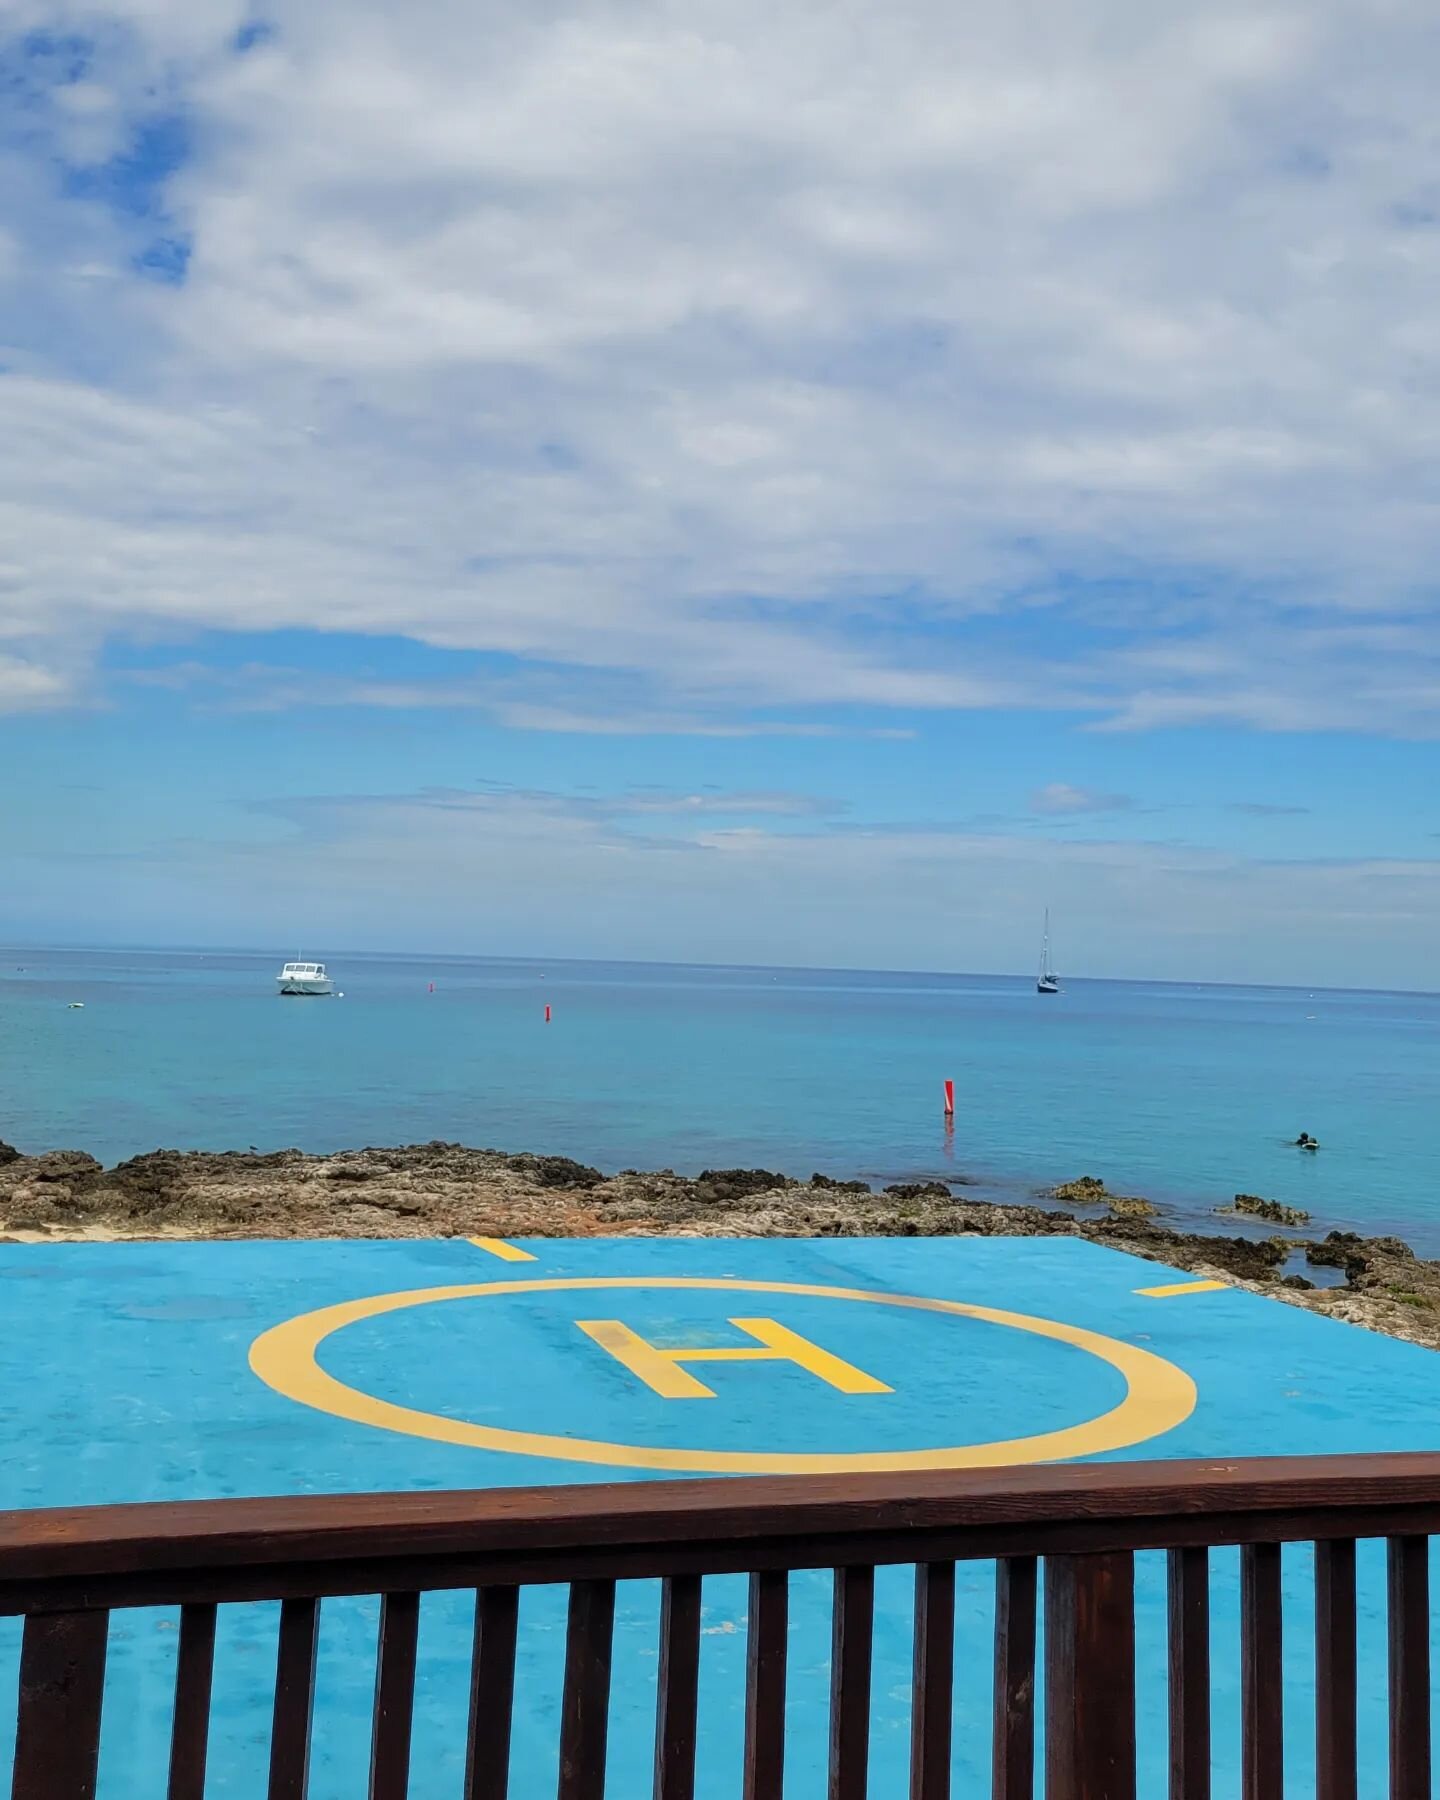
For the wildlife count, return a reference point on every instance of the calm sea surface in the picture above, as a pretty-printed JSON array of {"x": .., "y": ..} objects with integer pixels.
[{"x": 1184, "y": 1093}]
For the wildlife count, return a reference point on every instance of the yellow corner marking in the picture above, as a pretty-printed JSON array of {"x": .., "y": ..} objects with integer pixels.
[
  {"x": 664, "y": 1371},
  {"x": 1171, "y": 1288},
  {"x": 506, "y": 1252},
  {"x": 1158, "y": 1395}
]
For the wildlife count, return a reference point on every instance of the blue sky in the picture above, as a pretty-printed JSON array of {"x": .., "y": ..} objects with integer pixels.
[{"x": 742, "y": 484}]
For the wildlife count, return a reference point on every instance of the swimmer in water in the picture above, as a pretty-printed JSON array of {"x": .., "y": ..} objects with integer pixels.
[{"x": 1306, "y": 1142}]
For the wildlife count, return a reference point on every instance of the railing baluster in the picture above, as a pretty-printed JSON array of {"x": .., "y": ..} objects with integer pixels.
[
  {"x": 765, "y": 1651},
  {"x": 1090, "y": 1677},
  {"x": 585, "y": 1705},
  {"x": 294, "y": 1699},
  {"x": 1188, "y": 1574},
  {"x": 1013, "y": 1741},
  {"x": 678, "y": 1690},
  {"x": 63, "y": 1571},
  {"x": 1335, "y": 1771},
  {"x": 850, "y": 1658},
  {"x": 932, "y": 1689},
  {"x": 62, "y": 1685},
  {"x": 1409, "y": 1598},
  {"x": 1262, "y": 1753},
  {"x": 190, "y": 1728},
  {"x": 394, "y": 1696},
  {"x": 492, "y": 1694}
]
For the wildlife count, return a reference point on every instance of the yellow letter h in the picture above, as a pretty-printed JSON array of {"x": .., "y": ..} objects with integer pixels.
[{"x": 662, "y": 1370}]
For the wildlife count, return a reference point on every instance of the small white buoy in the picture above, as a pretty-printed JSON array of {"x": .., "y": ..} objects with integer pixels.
[{"x": 77, "y": 1006}]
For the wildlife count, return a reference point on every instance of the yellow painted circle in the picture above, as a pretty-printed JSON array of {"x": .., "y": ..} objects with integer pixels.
[{"x": 1158, "y": 1395}]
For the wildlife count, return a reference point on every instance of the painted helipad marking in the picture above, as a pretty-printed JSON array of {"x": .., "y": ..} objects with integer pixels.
[
  {"x": 1170, "y": 1289},
  {"x": 506, "y": 1252},
  {"x": 663, "y": 1371},
  {"x": 1158, "y": 1395}
]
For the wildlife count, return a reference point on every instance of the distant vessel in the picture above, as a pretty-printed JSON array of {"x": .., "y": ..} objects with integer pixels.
[
  {"x": 305, "y": 978},
  {"x": 1049, "y": 981}
]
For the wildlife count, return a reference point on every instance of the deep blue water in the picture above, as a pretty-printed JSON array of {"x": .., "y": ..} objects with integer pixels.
[{"x": 1181, "y": 1092}]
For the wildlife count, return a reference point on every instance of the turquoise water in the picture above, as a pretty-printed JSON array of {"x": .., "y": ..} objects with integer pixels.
[{"x": 1184, "y": 1093}]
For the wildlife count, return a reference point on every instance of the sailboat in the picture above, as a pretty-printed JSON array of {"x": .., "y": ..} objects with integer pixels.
[{"x": 1049, "y": 981}]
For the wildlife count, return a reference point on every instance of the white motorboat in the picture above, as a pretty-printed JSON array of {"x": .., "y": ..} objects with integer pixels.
[{"x": 305, "y": 978}]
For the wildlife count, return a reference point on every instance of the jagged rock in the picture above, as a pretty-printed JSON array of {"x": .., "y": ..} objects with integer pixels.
[
  {"x": 732, "y": 1184},
  {"x": 1340, "y": 1250},
  {"x": 449, "y": 1190},
  {"x": 62, "y": 1165},
  {"x": 1084, "y": 1190},
  {"x": 1090, "y": 1190},
  {"x": 552, "y": 1171},
  {"x": 32, "y": 1208},
  {"x": 1130, "y": 1206},
  {"x": 1272, "y": 1211},
  {"x": 841, "y": 1187},
  {"x": 8, "y": 1153}
]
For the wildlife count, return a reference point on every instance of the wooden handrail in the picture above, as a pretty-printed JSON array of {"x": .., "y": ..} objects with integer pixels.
[
  {"x": 1065, "y": 1532},
  {"x": 247, "y": 1549}
]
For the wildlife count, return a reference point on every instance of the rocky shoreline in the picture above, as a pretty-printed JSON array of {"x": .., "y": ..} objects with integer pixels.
[{"x": 449, "y": 1190}]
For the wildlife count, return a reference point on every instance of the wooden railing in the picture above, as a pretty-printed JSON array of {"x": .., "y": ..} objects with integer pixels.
[{"x": 1066, "y": 1534}]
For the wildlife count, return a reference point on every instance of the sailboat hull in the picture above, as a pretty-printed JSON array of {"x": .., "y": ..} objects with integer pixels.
[{"x": 1048, "y": 982}]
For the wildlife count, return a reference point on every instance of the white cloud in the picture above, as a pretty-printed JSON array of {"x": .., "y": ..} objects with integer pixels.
[
  {"x": 1060, "y": 798},
  {"x": 531, "y": 872},
  {"x": 768, "y": 356},
  {"x": 26, "y": 686}
]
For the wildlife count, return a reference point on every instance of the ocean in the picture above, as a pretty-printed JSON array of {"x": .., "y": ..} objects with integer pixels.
[{"x": 1187, "y": 1094}]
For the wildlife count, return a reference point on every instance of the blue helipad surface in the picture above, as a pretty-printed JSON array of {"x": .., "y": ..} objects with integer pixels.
[{"x": 142, "y": 1372}]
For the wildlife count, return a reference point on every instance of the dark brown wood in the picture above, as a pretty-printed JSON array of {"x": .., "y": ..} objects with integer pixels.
[
  {"x": 1335, "y": 1669},
  {"x": 492, "y": 1694},
  {"x": 63, "y": 1569},
  {"x": 851, "y": 1652},
  {"x": 394, "y": 1696},
  {"x": 678, "y": 1690},
  {"x": 190, "y": 1728},
  {"x": 934, "y": 1681},
  {"x": 1013, "y": 1740},
  {"x": 1090, "y": 1678},
  {"x": 765, "y": 1660},
  {"x": 294, "y": 1699},
  {"x": 1409, "y": 1594},
  {"x": 1262, "y": 1744},
  {"x": 376, "y": 1543},
  {"x": 1189, "y": 1609},
  {"x": 795, "y": 1521},
  {"x": 268, "y": 1581},
  {"x": 585, "y": 1704},
  {"x": 62, "y": 1684}
]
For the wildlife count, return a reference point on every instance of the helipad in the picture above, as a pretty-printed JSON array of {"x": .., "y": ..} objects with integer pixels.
[{"x": 167, "y": 1371}]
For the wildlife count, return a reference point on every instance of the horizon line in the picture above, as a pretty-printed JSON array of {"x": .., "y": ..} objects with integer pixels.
[{"x": 1263, "y": 987}]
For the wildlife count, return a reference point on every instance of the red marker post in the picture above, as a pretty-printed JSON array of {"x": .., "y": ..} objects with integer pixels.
[
  {"x": 949, "y": 1099},
  {"x": 547, "y": 1015}
]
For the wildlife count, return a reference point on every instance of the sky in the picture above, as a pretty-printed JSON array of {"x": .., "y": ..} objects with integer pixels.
[{"x": 806, "y": 483}]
